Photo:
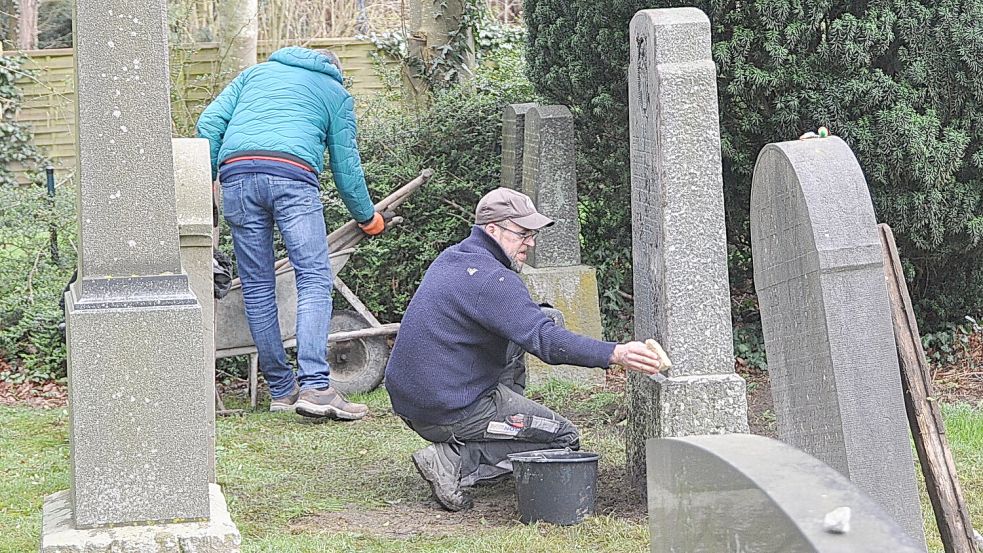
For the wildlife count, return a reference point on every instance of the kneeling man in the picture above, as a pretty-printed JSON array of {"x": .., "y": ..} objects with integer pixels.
[{"x": 457, "y": 371}]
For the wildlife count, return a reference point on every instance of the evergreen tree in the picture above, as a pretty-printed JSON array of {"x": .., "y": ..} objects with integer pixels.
[{"x": 899, "y": 80}]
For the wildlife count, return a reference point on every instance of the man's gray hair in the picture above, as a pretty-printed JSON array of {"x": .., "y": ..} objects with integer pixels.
[{"x": 332, "y": 57}]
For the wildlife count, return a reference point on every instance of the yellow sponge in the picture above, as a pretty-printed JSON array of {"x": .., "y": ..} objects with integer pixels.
[{"x": 655, "y": 347}]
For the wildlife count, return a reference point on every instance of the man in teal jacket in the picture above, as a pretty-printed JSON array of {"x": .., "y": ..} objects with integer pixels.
[{"x": 268, "y": 131}]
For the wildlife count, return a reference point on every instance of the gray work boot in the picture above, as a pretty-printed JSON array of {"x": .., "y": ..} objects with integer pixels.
[
  {"x": 287, "y": 403},
  {"x": 328, "y": 403},
  {"x": 437, "y": 464}
]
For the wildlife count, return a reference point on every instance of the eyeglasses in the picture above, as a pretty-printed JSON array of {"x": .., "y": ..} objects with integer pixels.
[{"x": 527, "y": 236}]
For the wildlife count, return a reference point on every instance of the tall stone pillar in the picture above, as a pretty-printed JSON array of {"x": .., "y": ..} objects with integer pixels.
[
  {"x": 679, "y": 250},
  {"x": 137, "y": 398}
]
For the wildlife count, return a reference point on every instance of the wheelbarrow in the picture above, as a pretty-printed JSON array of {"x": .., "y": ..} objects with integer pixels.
[{"x": 358, "y": 346}]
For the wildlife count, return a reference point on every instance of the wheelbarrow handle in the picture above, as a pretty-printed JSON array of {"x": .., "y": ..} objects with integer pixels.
[{"x": 348, "y": 235}]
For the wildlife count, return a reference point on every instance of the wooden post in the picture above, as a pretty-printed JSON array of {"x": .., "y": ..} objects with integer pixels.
[{"x": 924, "y": 416}]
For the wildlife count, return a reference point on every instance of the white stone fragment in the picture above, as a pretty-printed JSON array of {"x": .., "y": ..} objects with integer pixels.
[{"x": 837, "y": 521}]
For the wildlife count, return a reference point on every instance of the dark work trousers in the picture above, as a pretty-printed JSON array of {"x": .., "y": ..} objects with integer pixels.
[{"x": 501, "y": 422}]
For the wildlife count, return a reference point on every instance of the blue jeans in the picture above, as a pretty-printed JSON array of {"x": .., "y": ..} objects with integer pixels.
[{"x": 252, "y": 203}]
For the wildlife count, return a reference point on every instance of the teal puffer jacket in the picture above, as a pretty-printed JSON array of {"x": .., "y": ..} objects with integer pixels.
[{"x": 295, "y": 104}]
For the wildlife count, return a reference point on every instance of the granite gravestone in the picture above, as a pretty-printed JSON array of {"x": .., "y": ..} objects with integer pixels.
[
  {"x": 554, "y": 274},
  {"x": 549, "y": 177},
  {"x": 682, "y": 294},
  {"x": 573, "y": 291},
  {"x": 513, "y": 136},
  {"x": 819, "y": 276},
  {"x": 741, "y": 492},
  {"x": 138, "y": 401}
]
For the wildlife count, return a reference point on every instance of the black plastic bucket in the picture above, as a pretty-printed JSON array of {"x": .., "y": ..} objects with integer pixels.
[{"x": 555, "y": 485}]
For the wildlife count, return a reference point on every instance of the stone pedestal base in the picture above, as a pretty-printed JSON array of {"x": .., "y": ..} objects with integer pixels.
[
  {"x": 137, "y": 402},
  {"x": 218, "y": 535},
  {"x": 572, "y": 290},
  {"x": 196, "y": 259},
  {"x": 682, "y": 406}
]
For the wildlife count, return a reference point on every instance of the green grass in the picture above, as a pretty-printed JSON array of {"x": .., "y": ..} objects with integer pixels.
[
  {"x": 597, "y": 534},
  {"x": 964, "y": 428},
  {"x": 285, "y": 480},
  {"x": 33, "y": 463}
]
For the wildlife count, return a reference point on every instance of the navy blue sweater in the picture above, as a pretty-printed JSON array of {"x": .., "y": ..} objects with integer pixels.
[{"x": 451, "y": 345}]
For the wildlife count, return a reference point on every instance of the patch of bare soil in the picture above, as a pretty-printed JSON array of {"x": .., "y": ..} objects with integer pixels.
[
  {"x": 962, "y": 381},
  {"x": 760, "y": 408},
  {"x": 494, "y": 507},
  {"x": 618, "y": 497}
]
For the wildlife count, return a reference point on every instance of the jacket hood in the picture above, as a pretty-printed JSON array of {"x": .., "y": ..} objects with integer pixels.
[{"x": 307, "y": 59}]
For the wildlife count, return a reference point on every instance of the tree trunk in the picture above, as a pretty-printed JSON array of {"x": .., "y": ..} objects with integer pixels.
[
  {"x": 27, "y": 25},
  {"x": 361, "y": 19},
  {"x": 237, "y": 30},
  {"x": 8, "y": 24},
  {"x": 415, "y": 87},
  {"x": 433, "y": 22},
  {"x": 439, "y": 18}
]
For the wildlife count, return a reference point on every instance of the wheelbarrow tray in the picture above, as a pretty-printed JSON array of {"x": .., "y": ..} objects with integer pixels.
[{"x": 231, "y": 325}]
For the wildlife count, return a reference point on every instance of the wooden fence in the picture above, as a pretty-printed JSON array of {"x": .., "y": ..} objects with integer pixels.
[{"x": 49, "y": 94}]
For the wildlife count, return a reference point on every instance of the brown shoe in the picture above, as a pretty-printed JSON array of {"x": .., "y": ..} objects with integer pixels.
[
  {"x": 328, "y": 403},
  {"x": 285, "y": 404}
]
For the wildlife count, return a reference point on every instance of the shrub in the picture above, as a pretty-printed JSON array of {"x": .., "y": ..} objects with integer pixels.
[
  {"x": 458, "y": 136},
  {"x": 898, "y": 81},
  {"x": 31, "y": 278},
  {"x": 16, "y": 148}
]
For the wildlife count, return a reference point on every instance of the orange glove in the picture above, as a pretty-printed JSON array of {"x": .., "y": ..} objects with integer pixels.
[{"x": 377, "y": 224}]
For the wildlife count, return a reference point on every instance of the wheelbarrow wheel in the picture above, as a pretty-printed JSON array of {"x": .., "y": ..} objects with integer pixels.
[{"x": 357, "y": 366}]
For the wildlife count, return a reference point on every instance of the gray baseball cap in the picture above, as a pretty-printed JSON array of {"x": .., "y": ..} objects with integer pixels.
[{"x": 504, "y": 203}]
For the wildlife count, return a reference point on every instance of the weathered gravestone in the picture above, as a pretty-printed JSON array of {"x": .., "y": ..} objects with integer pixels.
[
  {"x": 573, "y": 291},
  {"x": 554, "y": 274},
  {"x": 136, "y": 375},
  {"x": 193, "y": 196},
  {"x": 513, "y": 136},
  {"x": 746, "y": 493},
  {"x": 549, "y": 177},
  {"x": 682, "y": 295},
  {"x": 818, "y": 272}
]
